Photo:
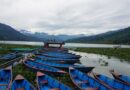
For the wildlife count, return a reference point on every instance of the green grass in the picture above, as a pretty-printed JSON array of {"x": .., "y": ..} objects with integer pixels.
[
  {"x": 6, "y": 48},
  {"x": 31, "y": 76},
  {"x": 21, "y": 69},
  {"x": 4, "y": 51},
  {"x": 122, "y": 53}
]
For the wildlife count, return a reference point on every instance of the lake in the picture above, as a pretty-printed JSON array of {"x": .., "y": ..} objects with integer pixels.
[
  {"x": 69, "y": 45},
  {"x": 103, "y": 63}
]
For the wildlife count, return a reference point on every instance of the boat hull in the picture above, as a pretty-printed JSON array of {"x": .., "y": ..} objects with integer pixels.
[
  {"x": 49, "y": 83},
  {"x": 8, "y": 75},
  {"x": 34, "y": 69}
]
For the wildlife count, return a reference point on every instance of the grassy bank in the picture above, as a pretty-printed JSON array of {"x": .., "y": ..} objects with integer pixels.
[
  {"x": 6, "y": 48},
  {"x": 10, "y": 46},
  {"x": 122, "y": 53}
]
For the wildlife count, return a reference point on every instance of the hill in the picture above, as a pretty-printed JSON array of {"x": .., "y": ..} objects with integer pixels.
[
  {"x": 9, "y": 33},
  {"x": 121, "y": 36},
  {"x": 44, "y": 36}
]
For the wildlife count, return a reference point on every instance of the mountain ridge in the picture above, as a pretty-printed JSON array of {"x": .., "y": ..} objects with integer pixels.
[
  {"x": 9, "y": 33},
  {"x": 121, "y": 36}
]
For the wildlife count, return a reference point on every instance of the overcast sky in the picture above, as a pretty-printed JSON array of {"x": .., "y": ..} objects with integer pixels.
[{"x": 66, "y": 16}]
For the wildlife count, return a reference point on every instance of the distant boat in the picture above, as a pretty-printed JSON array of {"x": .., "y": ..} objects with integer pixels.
[
  {"x": 117, "y": 85},
  {"x": 44, "y": 68},
  {"x": 86, "y": 82},
  {"x": 5, "y": 78},
  {"x": 20, "y": 83},
  {"x": 120, "y": 77},
  {"x": 45, "y": 82}
]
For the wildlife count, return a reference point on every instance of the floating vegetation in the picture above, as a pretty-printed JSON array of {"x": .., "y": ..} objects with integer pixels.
[{"x": 122, "y": 53}]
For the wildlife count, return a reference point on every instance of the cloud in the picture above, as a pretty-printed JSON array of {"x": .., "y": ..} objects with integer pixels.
[{"x": 66, "y": 17}]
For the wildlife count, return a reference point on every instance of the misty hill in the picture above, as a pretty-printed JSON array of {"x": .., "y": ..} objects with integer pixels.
[
  {"x": 45, "y": 36},
  {"x": 113, "y": 37},
  {"x": 9, "y": 33}
]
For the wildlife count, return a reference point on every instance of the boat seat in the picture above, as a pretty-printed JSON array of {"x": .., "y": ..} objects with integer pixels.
[
  {"x": 91, "y": 89},
  {"x": 74, "y": 76},
  {"x": 55, "y": 89},
  {"x": 44, "y": 82},
  {"x": 20, "y": 88},
  {"x": 3, "y": 84},
  {"x": 81, "y": 82}
]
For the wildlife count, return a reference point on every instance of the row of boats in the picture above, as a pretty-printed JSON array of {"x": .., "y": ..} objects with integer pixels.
[
  {"x": 83, "y": 81},
  {"x": 54, "y": 63},
  {"x": 48, "y": 64}
]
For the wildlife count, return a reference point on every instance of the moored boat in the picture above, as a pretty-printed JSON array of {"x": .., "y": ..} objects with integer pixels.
[
  {"x": 54, "y": 59},
  {"x": 45, "y": 82},
  {"x": 8, "y": 56},
  {"x": 40, "y": 67},
  {"x": 123, "y": 78},
  {"x": 64, "y": 66},
  {"x": 86, "y": 82},
  {"x": 5, "y": 78},
  {"x": 117, "y": 85},
  {"x": 61, "y": 55},
  {"x": 20, "y": 83}
]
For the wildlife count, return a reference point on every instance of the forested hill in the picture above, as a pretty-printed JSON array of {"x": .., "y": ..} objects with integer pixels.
[
  {"x": 9, "y": 33},
  {"x": 113, "y": 37}
]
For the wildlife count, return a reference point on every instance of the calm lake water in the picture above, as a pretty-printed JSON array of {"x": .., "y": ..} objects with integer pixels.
[
  {"x": 70, "y": 45},
  {"x": 99, "y": 62}
]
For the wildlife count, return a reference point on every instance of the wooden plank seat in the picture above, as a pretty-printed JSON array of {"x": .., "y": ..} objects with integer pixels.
[
  {"x": 3, "y": 84},
  {"x": 74, "y": 76},
  {"x": 55, "y": 89},
  {"x": 44, "y": 82},
  {"x": 92, "y": 88},
  {"x": 81, "y": 82},
  {"x": 20, "y": 88}
]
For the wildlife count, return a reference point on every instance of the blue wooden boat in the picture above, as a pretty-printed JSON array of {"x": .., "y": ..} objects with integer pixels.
[
  {"x": 61, "y": 55},
  {"x": 117, "y": 85},
  {"x": 86, "y": 82},
  {"x": 62, "y": 50},
  {"x": 20, "y": 83},
  {"x": 123, "y": 78},
  {"x": 54, "y": 59},
  {"x": 45, "y": 82},
  {"x": 40, "y": 67},
  {"x": 5, "y": 78},
  {"x": 8, "y": 56},
  {"x": 64, "y": 66}
]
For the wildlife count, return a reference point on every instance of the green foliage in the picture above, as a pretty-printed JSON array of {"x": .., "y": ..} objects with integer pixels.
[{"x": 122, "y": 53}]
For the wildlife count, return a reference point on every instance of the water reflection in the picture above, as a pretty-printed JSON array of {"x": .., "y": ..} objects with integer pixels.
[{"x": 104, "y": 63}]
